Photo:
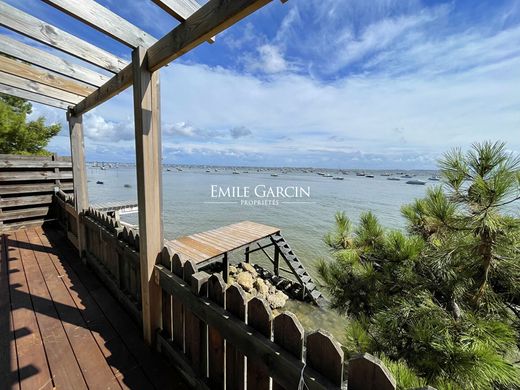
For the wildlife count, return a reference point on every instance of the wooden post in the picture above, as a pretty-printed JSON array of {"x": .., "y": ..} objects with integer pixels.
[
  {"x": 79, "y": 173},
  {"x": 247, "y": 254},
  {"x": 148, "y": 165},
  {"x": 276, "y": 260},
  {"x": 225, "y": 268}
]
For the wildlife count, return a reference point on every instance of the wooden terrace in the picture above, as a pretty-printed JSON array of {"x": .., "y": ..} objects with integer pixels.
[{"x": 61, "y": 328}]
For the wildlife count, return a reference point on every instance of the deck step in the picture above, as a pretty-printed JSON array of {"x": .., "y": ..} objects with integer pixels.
[
  {"x": 315, "y": 295},
  {"x": 309, "y": 288}
]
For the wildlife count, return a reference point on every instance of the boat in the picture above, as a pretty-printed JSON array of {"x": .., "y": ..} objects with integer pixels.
[
  {"x": 416, "y": 182},
  {"x": 434, "y": 178},
  {"x": 370, "y": 176},
  {"x": 208, "y": 171},
  {"x": 385, "y": 174},
  {"x": 393, "y": 178},
  {"x": 99, "y": 182},
  {"x": 360, "y": 173},
  {"x": 127, "y": 186},
  {"x": 337, "y": 178},
  {"x": 327, "y": 175},
  {"x": 168, "y": 170},
  {"x": 406, "y": 176},
  {"x": 236, "y": 173}
]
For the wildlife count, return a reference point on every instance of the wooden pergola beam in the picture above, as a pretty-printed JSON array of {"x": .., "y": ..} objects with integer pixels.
[
  {"x": 34, "y": 97},
  {"x": 212, "y": 18},
  {"x": 23, "y": 23},
  {"x": 43, "y": 59},
  {"x": 179, "y": 9},
  {"x": 42, "y": 89},
  {"x": 104, "y": 20},
  {"x": 42, "y": 76}
]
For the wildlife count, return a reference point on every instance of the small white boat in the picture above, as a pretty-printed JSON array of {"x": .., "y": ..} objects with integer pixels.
[
  {"x": 370, "y": 176},
  {"x": 337, "y": 178},
  {"x": 360, "y": 173},
  {"x": 416, "y": 182},
  {"x": 406, "y": 176},
  {"x": 434, "y": 178},
  {"x": 393, "y": 178},
  {"x": 274, "y": 175}
]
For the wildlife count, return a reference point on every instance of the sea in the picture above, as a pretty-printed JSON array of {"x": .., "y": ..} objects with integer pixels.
[{"x": 300, "y": 202}]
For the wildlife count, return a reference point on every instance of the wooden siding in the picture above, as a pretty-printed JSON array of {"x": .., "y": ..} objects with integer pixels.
[{"x": 26, "y": 187}]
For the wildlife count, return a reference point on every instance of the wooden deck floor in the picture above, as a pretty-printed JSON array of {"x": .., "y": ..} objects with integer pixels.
[
  {"x": 201, "y": 247},
  {"x": 60, "y": 328}
]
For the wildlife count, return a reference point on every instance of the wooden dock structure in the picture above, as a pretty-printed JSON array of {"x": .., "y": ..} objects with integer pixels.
[{"x": 215, "y": 245}]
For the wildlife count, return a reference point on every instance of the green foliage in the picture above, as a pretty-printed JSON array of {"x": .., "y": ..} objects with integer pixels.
[
  {"x": 439, "y": 304},
  {"x": 17, "y": 136}
]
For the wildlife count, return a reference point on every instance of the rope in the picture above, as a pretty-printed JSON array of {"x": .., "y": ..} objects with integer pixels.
[{"x": 301, "y": 384}]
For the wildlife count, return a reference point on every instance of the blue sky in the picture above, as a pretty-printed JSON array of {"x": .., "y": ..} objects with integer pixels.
[{"x": 325, "y": 83}]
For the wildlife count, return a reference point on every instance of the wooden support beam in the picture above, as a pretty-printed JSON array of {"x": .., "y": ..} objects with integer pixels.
[
  {"x": 23, "y": 23},
  {"x": 34, "y": 97},
  {"x": 41, "y": 58},
  {"x": 212, "y": 18},
  {"x": 104, "y": 20},
  {"x": 180, "y": 9},
  {"x": 42, "y": 89},
  {"x": 42, "y": 76},
  {"x": 79, "y": 172},
  {"x": 149, "y": 171}
]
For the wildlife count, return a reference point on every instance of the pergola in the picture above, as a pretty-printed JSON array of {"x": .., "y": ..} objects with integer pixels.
[{"x": 36, "y": 75}]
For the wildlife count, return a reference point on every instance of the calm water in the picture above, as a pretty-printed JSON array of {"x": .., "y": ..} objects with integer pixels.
[{"x": 186, "y": 209}]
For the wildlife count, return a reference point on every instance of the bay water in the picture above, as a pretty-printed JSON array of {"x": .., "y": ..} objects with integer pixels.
[{"x": 190, "y": 205}]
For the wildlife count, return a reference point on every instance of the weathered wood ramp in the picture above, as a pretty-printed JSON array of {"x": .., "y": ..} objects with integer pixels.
[{"x": 60, "y": 328}]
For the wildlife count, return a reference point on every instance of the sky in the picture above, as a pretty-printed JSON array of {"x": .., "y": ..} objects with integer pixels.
[{"x": 382, "y": 84}]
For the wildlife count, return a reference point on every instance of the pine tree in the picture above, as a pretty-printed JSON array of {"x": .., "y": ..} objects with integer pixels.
[
  {"x": 439, "y": 303},
  {"x": 19, "y": 136}
]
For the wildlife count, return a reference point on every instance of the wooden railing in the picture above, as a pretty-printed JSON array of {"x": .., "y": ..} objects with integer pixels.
[
  {"x": 26, "y": 187},
  {"x": 215, "y": 335}
]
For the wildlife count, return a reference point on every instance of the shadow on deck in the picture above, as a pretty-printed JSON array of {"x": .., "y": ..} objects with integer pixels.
[{"x": 61, "y": 328}]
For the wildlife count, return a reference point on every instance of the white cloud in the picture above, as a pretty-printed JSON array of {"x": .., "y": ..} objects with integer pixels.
[{"x": 268, "y": 59}]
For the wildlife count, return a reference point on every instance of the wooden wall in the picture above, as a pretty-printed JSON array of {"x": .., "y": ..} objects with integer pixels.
[{"x": 26, "y": 187}]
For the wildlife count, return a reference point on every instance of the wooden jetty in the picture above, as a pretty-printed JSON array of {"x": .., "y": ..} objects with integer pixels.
[
  {"x": 140, "y": 306},
  {"x": 215, "y": 245}
]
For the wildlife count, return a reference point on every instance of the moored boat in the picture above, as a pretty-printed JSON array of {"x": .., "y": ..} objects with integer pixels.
[{"x": 416, "y": 182}]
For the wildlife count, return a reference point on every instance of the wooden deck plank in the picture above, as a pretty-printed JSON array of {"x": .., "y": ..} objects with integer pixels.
[
  {"x": 32, "y": 362},
  {"x": 114, "y": 350},
  {"x": 96, "y": 372},
  {"x": 153, "y": 366},
  {"x": 8, "y": 360},
  {"x": 200, "y": 246},
  {"x": 64, "y": 368}
]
